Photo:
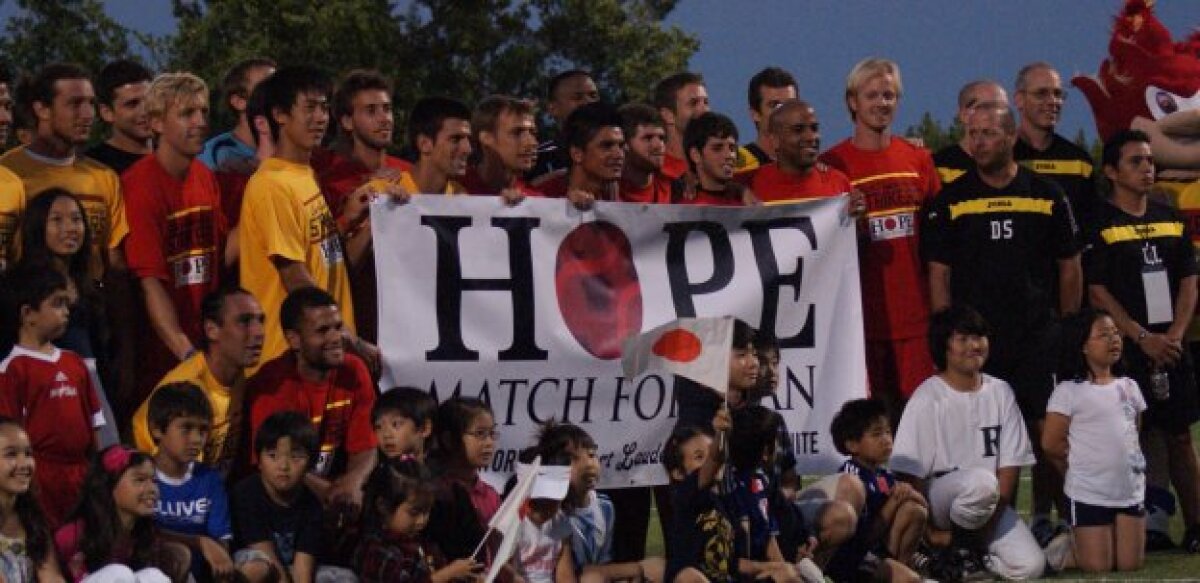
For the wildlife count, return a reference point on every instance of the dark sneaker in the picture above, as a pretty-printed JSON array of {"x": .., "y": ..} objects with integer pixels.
[
  {"x": 1045, "y": 531},
  {"x": 1191, "y": 539},
  {"x": 1158, "y": 541}
]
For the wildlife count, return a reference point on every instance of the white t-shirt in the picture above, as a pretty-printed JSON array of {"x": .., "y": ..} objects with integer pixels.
[
  {"x": 944, "y": 429},
  {"x": 539, "y": 546},
  {"x": 1105, "y": 466}
]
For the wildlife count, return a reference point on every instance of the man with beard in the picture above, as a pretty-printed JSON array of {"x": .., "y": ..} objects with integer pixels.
[
  {"x": 439, "y": 130},
  {"x": 288, "y": 238},
  {"x": 507, "y": 137},
  {"x": 710, "y": 143},
  {"x": 1039, "y": 97},
  {"x": 795, "y": 174},
  {"x": 679, "y": 98},
  {"x": 1002, "y": 240},
  {"x": 362, "y": 108},
  {"x": 596, "y": 143},
  {"x": 62, "y": 102},
  {"x": 121, "y": 92},
  {"x": 176, "y": 244},
  {"x": 897, "y": 179},
  {"x": 954, "y": 160},
  {"x": 319, "y": 379},
  {"x": 232, "y": 343},
  {"x": 641, "y": 179}
]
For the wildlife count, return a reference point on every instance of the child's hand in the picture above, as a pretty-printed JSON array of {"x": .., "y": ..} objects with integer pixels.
[
  {"x": 904, "y": 491},
  {"x": 462, "y": 569},
  {"x": 217, "y": 558},
  {"x": 806, "y": 550},
  {"x": 722, "y": 421}
]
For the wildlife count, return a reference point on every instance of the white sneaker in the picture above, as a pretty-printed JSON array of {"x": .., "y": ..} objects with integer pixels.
[{"x": 1059, "y": 551}]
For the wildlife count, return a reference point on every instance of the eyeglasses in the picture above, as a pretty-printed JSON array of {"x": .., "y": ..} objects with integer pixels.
[
  {"x": 482, "y": 434},
  {"x": 1048, "y": 93},
  {"x": 1106, "y": 335}
]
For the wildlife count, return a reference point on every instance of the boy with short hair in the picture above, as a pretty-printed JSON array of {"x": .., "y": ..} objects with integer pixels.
[
  {"x": 46, "y": 389},
  {"x": 193, "y": 508},
  {"x": 591, "y": 513},
  {"x": 277, "y": 517},
  {"x": 891, "y": 515},
  {"x": 402, "y": 419}
]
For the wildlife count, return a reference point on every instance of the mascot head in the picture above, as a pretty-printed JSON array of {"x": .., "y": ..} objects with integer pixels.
[{"x": 1149, "y": 83}]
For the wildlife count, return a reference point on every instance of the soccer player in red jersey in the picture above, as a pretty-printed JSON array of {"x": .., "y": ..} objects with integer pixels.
[
  {"x": 596, "y": 143},
  {"x": 711, "y": 145},
  {"x": 646, "y": 138},
  {"x": 362, "y": 109},
  {"x": 507, "y": 137},
  {"x": 318, "y": 378},
  {"x": 897, "y": 178},
  {"x": 176, "y": 244},
  {"x": 679, "y": 98},
  {"x": 795, "y": 174}
]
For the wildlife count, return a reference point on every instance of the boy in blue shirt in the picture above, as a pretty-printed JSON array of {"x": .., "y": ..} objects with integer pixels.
[{"x": 193, "y": 508}]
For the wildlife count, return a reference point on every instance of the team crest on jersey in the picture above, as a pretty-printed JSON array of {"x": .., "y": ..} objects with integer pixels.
[{"x": 891, "y": 226}]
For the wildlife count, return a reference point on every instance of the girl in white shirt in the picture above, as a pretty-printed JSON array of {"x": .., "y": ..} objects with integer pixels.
[{"x": 1091, "y": 430}]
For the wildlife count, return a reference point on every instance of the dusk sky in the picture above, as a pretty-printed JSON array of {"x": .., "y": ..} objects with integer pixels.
[{"x": 939, "y": 44}]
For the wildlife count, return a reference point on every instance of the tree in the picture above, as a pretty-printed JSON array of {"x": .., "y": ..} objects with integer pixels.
[
  {"x": 77, "y": 31},
  {"x": 933, "y": 134},
  {"x": 466, "y": 49}
]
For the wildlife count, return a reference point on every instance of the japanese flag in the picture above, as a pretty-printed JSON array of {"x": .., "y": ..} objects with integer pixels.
[
  {"x": 507, "y": 519},
  {"x": 693, "y": 348}
]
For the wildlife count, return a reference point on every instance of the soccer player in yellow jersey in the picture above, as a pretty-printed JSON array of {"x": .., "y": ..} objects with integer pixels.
[
  {"x": 288, "y": 238},
  {"x": 62, "y": 102},
  {"x": 12, "y": 205},
  {"x": 233, "y": 342}
]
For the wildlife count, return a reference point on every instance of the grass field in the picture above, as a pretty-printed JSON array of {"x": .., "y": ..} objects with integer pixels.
[{"x": 1162, "y": 566}]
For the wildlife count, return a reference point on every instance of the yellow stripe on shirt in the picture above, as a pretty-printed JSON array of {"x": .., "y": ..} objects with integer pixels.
[
  {"x": 1141, "y": 232},
  {"x": 866, "y": 179},
  {"x": 1001, "y": 204}
]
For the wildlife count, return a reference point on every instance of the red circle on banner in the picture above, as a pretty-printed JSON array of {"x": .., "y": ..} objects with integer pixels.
[
  {"x": 599, "y": 295},
  {"x": 678, "y": 345}
]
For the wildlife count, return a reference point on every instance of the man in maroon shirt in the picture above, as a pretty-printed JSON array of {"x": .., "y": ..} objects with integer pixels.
[
  {"x": 507, "y": 136},
  {"x": 646, "y": 136}
]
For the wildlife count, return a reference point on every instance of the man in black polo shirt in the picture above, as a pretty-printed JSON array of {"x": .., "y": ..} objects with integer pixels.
[
  {"x": 1002, "y": 239},
  {"x": 1040, "y": 96},
  {"x": 953, "y": 161},
  {"x": 1141, "y": 269}
]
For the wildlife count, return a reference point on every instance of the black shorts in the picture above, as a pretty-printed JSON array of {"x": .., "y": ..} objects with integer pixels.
[
  {"x": 1028, "y": 365},
  {"x": 1181, "y": 409},
  {"x": 1083, "y": 514}
]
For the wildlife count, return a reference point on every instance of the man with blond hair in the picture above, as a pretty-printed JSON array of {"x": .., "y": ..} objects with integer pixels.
[
  {"x": 897, "y": 178},
  {"x": 176, "y": 245}
]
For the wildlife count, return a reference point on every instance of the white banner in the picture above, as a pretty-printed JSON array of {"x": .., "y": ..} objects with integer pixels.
[{"x": 527, "y": 307}]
